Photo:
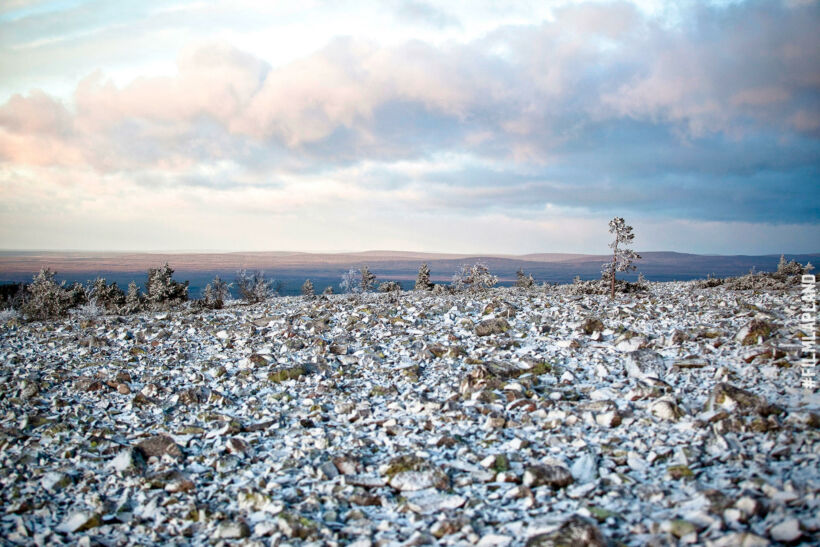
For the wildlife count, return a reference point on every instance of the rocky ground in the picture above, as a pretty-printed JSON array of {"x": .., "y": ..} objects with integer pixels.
[{"x": 510, "y": 417}]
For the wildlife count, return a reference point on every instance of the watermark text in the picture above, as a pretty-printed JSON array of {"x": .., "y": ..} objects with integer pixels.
[{"x": 808, "y": 323}]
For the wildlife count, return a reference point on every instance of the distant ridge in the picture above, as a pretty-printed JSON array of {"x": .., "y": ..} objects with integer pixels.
[
  {"x": 76, "y": 261},
  {"x": 387, "y": 264}
]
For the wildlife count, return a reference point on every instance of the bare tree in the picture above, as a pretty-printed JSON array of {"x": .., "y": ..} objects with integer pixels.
[{"x": 622, "y": 256}]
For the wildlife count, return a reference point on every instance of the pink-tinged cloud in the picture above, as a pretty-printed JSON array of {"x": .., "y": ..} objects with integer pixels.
[
  {"x": 592, "y": 63},
  {"x": 35, "y": 114}
]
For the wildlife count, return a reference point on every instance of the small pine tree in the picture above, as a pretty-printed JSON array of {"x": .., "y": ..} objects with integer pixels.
[
  {"x": 163, "y": 291},
  {"x": 328, "y": 290},
  {"x": 622, "y": 256},
  {"x": 368, "y": 279},
  {"x": 307, "y": 289},
  {"x": 524, "y": 281},
  {"x": 215, "y": 294},
  {"x": 77, "y": 295},
  {"x": 134, "y": 301},
  {"x": 423, "y": 282},
  {"x": 109, "y": 297}
]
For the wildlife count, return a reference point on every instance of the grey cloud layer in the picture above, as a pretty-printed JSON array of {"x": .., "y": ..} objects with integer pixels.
[{"x": 601, "y": 108}]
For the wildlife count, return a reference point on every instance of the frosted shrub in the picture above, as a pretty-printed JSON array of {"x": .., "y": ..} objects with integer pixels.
[
  {"x": 106, "y": 297},
  {"x": 253, "y": 287},
  {"x": 328, "y": 290},
  {"x": 163, "y": 291},
  {"x": 442, "y": 289},
  {"x": 89, "y": 310},
  {"x": 351, "y": 282},
  {"x": 307, "y": 289},
  {"x": 8, "y": 314},
  {"x": 473, "y": 278},
  {"x": 524, "y": 281},
  {"x": 792, "y": 267},
  {"x": 368, "y": 279},
  {"x": 215, "y": 294},
  {"x": 423, "y": 282},
  {"x": 389, "y": 286},
  {"x": 46, "y": 299},
  {"x": 134, "y": 300},
  {"x": 603, "y": 286},
  {"x": 787, "y": 275}
]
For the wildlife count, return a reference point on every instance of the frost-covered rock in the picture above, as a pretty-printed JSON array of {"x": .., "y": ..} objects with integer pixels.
[{"x": 394, "y": 419}]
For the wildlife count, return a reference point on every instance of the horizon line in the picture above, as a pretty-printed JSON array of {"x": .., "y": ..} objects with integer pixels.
[{"x": 346, "y": 252}]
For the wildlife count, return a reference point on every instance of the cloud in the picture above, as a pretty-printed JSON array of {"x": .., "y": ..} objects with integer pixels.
[
  {"x": 599, "y": 110},
  {"x": 421, "y": 12}
]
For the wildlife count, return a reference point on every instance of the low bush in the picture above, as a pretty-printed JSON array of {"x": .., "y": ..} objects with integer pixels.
[
  {"x": 604, "y": 286},
  {"x": 524, "y": 281},
  {"x": 46, "y": 299},
  {"x": 215, "y": 294},
  {"x": 473, "y": 278},
  {"x": 253, "y": 287},
  {"x": 358, "y": 281},
  {"x": 389, "y": 286},
  {"x": 107, "y": 297}
]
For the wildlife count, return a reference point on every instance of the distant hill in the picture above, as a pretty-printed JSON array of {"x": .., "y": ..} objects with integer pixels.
[{"x": 326, "y": 268}]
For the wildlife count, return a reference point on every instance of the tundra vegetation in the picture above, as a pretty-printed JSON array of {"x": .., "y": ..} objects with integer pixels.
[
  {"x": 215, "y": 294},
  {"x": 253, "y": 287},
  {"x": 423, "y": 282},
  {"x": 473, "y": 278},
  {"x": 307, "y": 289}
]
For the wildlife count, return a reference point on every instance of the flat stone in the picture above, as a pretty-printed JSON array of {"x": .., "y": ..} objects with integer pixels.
[
  {"x": 79, "y": 521},
  {"x": 787, "y": 531},
  {"x": 553, "y": 476},
  {"x": 159, "y": 446},
  {"x": 232, "y": 530}
]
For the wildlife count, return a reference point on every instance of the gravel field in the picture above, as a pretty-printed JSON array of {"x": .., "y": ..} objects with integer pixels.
[{"x": 507, "y": 417}]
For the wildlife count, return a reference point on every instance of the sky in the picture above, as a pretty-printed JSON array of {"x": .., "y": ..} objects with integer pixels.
[{"x": 469, "y": 126}]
